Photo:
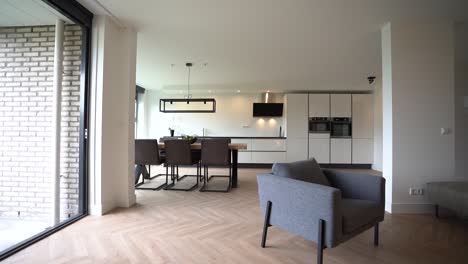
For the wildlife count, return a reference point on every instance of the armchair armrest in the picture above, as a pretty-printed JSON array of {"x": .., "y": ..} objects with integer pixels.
[
  {"x": 358, "y": 186},
  {"x": 297, "y": 207}
]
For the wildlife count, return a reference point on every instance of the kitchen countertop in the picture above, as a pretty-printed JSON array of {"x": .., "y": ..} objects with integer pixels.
[{"x": 244, "y": 137}]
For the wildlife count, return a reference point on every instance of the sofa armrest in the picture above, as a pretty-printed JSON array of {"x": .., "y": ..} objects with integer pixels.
[
  {"x": 297, "y": 207},
  {"x": 358, "y": 186}
]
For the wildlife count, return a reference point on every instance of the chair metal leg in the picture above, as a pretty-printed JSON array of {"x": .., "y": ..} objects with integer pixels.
[
  {"x": 172, "y": 186},
  {"x": 376, "y": 234},
  {"x": 266, "y": 223},
  {"x": 321, "y": 236},
  {"x": 208, "y": 178}
]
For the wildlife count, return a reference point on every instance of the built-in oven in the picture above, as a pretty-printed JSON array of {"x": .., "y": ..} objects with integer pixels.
[
  {"x": 319, "y": 125},
  {"x": 341, "y": 127}
]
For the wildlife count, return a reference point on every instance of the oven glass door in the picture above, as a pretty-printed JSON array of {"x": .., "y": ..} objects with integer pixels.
[
  {"x": 341, "y": 130},
  {"x": 319, "y": 127}
]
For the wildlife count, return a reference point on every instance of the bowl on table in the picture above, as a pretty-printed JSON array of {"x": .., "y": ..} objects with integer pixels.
[{"x": 191, "y": 139}]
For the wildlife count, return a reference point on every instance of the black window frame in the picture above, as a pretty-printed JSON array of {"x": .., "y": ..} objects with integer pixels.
[{"x": 83, "y": 17}]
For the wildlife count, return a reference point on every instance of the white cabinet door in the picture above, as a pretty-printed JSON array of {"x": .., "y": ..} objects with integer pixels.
[
  {"x": 247, "y": 141},
  {"x": 268, "y": 157},
  {"x": 269, "y": 144},
  {"x": 340, "y": 150},
  {"x": 296, "y": 149},
  {"x": 319, "y": 148},
  {"x": 363, "y": 151},
  {"x": 319, "y": 105},
  {"x": 297, "y": 120},
  {"x": 340, "y": 105},
  {"x": 363, "y": 116},
  {"x": 244, "y": 157}
]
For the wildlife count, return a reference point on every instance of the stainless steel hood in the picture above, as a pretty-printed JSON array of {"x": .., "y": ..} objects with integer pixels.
[{"x": 270, "y": 98}]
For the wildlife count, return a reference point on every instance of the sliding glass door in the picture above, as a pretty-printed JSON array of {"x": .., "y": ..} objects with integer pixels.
[{"x": 44, "y": 65}]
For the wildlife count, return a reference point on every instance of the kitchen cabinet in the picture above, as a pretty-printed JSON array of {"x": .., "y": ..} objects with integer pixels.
[
  {"x": 297, "y": 118},
  {"x": 297, "y": 126},
  {"x": 296, "y": 149},
  {"x": 319, "y": 105},
  {"x": 340, "y": 150},
  {"x": 319, "y": 147},
  {"x": 262, "y": 150},
  {"x": 363, "y": 116},
  {"x": 244, "y": 157},
  {"x": 340, "y": 105},
  {"x": 268, "y": 157},
  {"x": 268, "y": 144},
  {"x": 363, "y": 129},
  {"x": 363, "y": 151}
]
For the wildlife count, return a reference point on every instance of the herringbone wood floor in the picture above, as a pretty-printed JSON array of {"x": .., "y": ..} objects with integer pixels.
[{"x": 194, "y": 227}]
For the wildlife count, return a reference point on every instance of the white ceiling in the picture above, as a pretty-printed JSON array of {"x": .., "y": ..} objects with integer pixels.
[
  {"x": 258, "y": 45},
  {"x": 15, "y": 13}
]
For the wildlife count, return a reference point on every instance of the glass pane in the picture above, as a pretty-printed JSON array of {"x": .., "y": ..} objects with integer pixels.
[{"x": 27, "y": 44}]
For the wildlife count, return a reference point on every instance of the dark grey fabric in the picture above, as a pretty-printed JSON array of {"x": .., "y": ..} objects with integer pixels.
[
  {"x": 297, "y": 207},
  {"x": 147, "y": 152},
  {"x": 307, "y": 170},
  {"x": 352, "y": 204},
  {"x": 215, "y": 152},
  {"x": 357, "y": 213},
  {"x": 451, "y": 195},
  {"x": 359, "y": 186},
  {"x": 178, "y": 152}
]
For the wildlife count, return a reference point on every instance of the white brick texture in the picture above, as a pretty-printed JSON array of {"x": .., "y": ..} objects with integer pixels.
[{"x": 26, "y": 74}]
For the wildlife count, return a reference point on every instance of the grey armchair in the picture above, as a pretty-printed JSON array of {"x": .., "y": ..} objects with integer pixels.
[{"x": 340, "y": 207}]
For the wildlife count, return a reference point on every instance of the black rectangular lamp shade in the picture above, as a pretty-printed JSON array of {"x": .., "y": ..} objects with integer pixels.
[{"x": 187, "y": 105}]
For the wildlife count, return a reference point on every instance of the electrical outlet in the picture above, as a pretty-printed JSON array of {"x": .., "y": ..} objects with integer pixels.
[
  {"x": 416, "y": 191},
  {"x": 420, "y": 191}
]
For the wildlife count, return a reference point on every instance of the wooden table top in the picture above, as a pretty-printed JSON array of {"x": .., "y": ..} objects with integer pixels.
[{"x": 232, "y": 146}]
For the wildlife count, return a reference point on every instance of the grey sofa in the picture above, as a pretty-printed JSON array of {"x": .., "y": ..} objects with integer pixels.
[{"x": 325, "y": 206}]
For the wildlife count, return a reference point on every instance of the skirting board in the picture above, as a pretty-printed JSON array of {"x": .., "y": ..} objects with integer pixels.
[{"x": 401, "y": 208}]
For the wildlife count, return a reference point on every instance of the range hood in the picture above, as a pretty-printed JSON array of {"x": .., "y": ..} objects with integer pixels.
[{"x": 270, "y": 106}]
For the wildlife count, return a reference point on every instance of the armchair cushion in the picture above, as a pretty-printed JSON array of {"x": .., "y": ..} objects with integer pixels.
[
  {"x": 307, "y": 170},
  {"x": 358, "y": 213}
]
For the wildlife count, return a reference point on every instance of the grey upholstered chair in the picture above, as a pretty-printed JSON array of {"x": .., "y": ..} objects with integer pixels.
[
  {"x": 328, "y": 207},
  {"x": 179, "y": 153},
  {"x": 215, "y": 152},
  {"x": 147, "y": 153}
]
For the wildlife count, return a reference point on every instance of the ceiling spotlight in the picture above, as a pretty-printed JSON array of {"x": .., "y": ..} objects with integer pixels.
[
  {"x": 238, "y": 91},
  {"x": 371, "y": 79}
]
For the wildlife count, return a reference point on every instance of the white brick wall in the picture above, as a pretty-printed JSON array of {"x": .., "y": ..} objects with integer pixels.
[{"x": 26, "y": 74}]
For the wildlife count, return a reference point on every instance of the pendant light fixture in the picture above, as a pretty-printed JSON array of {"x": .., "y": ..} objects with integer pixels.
[{"x": 199, "y": 105}]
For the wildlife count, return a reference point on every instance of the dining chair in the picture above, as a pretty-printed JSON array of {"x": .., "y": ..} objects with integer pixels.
[
  {"x": 215, "y": 153},
  {"x": 147, "y": 154},
  {"x": 179, "y": 153}
]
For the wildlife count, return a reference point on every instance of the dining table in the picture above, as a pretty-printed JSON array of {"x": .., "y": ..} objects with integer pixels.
[{"x": 233, "y": 147}]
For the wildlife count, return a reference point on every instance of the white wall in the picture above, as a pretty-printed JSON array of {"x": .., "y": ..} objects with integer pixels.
[
  {"x": 112, "y": 116},
  {"x": 387, "y": 114},
  {"x": 418, "y": 97},
  {"x": 461, "y": 93},
  {"x": 233, "y": 111},
  {"x": 378, "y": 124}
]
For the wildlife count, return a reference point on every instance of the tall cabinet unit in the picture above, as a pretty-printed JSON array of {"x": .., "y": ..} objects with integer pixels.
[
  {"x": 319, "y": 143},
  {"x": 340, "y": 148},
  {"x": 296, "y": 127},
  {"x": 340, "y": 105},
  {"x": 363, "y": 129}
]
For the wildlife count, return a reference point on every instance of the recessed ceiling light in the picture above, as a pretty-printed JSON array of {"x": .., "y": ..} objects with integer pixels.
[
  {"x": 268, "y": 91},
  {"x": 238, "y": 91}
]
